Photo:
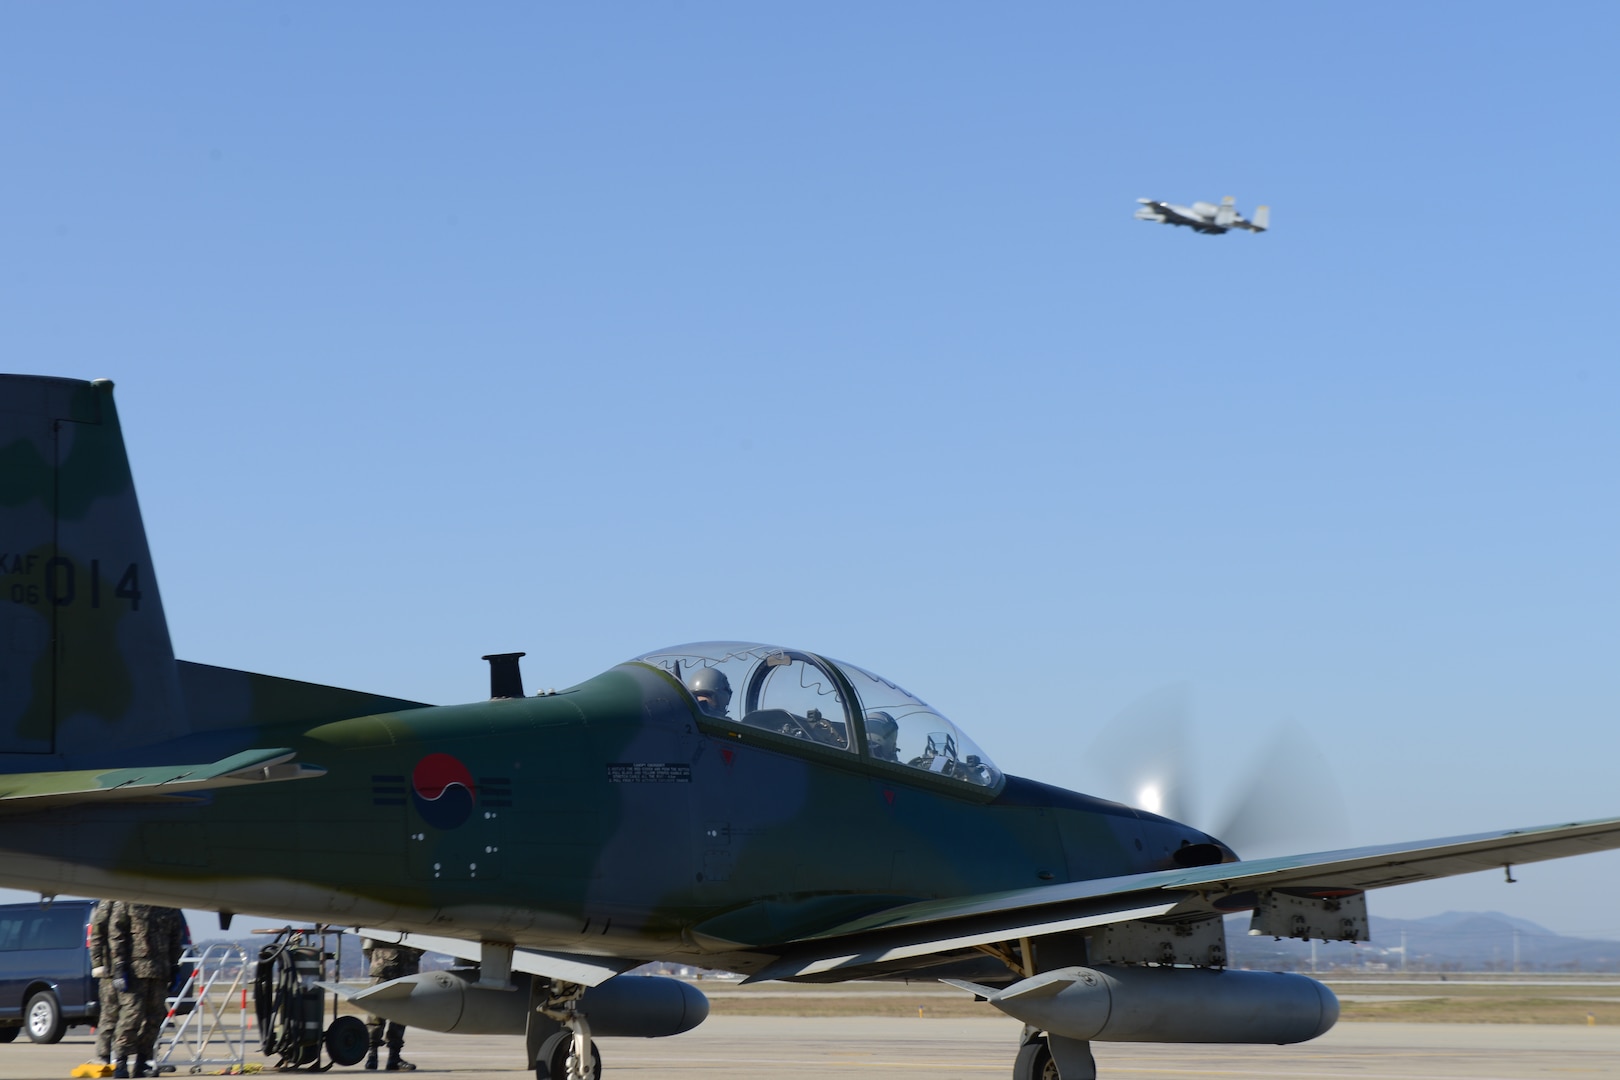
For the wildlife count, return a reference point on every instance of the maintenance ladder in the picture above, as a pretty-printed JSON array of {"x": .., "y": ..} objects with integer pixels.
[{"x": 206, "y": 1025}]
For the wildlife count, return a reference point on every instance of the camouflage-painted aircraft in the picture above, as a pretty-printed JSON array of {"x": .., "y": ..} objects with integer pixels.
[{"x": 762, "y": 809}]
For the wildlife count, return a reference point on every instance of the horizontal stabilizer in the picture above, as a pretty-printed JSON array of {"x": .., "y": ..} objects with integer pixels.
[{"x": 22, "y": 793}]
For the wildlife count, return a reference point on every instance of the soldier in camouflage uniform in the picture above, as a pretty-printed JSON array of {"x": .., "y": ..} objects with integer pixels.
[
  {"x": 171, "y": 927},
  {"x": 145, "y": 943},
  {"x": 389, "y": 962},
  {"x": 101, "y": 966}
]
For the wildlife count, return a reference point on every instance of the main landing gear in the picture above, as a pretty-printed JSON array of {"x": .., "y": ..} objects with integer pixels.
[
  {"x": 568, "y": 1054},
  {"x": 1053, "y": 1057}
]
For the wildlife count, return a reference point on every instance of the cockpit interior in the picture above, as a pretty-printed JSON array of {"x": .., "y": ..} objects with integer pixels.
[{"x": 828, "y": 702}]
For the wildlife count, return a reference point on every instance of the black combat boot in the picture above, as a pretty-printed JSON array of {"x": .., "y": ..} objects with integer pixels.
[
  {"x": 122, "y": 1071},
  {"x": 140, "y": 1068},
  {"x": 371, "y": 1059},
  {"x": 397, "y": 1063}
]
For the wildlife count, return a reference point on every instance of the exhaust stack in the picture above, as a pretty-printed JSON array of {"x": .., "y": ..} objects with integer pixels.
[{"x": 505, "y": 676}]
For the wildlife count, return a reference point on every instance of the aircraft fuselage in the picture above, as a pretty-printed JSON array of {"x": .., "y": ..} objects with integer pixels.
[{"x": 611, "y": 817}]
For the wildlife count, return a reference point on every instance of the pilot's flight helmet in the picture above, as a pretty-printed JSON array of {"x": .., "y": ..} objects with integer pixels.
[
  {"x": 711, "y": 683},
  {"x": 880, "y": 725}
]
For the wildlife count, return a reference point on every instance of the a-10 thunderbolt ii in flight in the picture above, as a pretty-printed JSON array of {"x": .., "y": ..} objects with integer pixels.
[
  {"x": 761, "y": 809},
  {"x": 1204, "y": 217}
]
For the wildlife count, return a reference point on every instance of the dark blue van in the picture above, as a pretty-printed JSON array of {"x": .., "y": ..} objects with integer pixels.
[{"x": 45, "y": 982}]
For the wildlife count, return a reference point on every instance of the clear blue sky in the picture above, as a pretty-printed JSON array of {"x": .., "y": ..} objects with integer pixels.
[{"x": 587, "y": 329}]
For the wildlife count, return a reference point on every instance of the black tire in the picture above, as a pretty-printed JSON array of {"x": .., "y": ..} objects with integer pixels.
[
  {"x": 1035, "y": 1062},
  {"x": 553, "y": 1063},
  {"x": 42, "y": 1018},
  {"x": 347, "y": 1040},
  {"x": 9, "y": 1034}
]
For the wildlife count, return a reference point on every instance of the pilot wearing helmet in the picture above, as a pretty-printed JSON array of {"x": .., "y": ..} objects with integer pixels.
[
  {"x": 712, "y": 690},
  {"x": 882, "y": 736}
]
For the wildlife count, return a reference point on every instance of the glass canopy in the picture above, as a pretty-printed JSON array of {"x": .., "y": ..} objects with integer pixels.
[{"x": 805, "y": 696}]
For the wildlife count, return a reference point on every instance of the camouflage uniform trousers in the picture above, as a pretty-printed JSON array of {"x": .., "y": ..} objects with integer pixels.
[
  {"x": 389, "y": 962},
  {"x": 107, "y": 1021},
  {"x": 140, "y": 1016},
  {"x": 381, "y": 1031}
]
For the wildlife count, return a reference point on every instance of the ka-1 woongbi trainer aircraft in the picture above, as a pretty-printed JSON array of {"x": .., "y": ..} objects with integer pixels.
[
  {"x": 761, "y": 809},
  {"x": 1204, "y": 217}
]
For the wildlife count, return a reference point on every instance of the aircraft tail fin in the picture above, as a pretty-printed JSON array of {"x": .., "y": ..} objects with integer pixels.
[
  {"x": 1227, "y": 214},
  {"x": 85, "y": 657},
  {"x": 1262, "y": 218}
]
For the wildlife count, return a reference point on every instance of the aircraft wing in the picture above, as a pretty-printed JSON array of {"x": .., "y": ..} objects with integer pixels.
[
  {"x": 22, "y": 793},
  {"x": 569, "y": 967},
  {"x": 876, "y": 941}
]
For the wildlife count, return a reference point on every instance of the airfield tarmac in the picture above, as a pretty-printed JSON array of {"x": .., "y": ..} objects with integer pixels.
[{"x": 887, "y": 1048}]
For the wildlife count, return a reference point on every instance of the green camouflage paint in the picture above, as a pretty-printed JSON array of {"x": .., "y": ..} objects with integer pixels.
[{"x": 611, "y": 818}]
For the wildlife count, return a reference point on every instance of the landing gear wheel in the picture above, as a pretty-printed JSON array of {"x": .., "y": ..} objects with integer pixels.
[
  {"x": 347, "y": 1040},
  {"x": 43, "y": 1018},
  {"x": 8, "y": 1034},
  {"x": 554, "y": 1055},
  {"x": 1034, "y": 1062}
]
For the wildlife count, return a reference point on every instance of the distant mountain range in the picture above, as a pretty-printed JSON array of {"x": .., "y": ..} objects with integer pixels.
[{"x": 1453, "y": 941}]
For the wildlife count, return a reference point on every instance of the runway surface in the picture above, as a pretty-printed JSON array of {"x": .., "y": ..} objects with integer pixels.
[{"x": 783, "y": 1048}]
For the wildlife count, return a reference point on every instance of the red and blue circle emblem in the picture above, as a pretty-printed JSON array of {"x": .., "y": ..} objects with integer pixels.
[{"x": 443, "y": 791}]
